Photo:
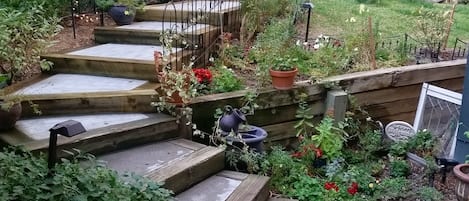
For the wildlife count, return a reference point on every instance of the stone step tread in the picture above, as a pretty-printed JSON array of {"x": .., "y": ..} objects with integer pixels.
[
  {"x": 195, "y": 6},
  {"x": 158, "y": 27},
  {"x": 105, "y": 131},
  {"x": 178, "y": 163},
  {"x": 228, "y": 186},
  {"x": 116, "y": 60}
]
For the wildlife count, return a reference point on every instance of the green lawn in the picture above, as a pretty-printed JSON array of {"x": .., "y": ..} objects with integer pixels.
[{"x": 395, "y": 17}]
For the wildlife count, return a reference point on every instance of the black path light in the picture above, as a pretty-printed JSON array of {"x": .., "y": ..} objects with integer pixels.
[
  {"x": 309, "y": 6},
  {"x": 68, "y": 128}
]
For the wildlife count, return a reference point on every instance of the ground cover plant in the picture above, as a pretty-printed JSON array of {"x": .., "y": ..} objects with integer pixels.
[
  {"x": 26, "y": 177},
  {"x": 347, "y": 160}
]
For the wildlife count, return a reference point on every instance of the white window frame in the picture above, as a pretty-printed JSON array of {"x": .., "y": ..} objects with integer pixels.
[{"x": 440, "y": 93}]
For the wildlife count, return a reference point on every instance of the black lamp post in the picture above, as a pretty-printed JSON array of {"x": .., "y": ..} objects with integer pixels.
[
  {"x": 68, "y": 128},
  {"x": 310, "y": 7}
]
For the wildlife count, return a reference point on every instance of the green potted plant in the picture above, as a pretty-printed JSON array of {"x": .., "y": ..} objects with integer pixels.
[
  {"x": 10, "y": 110},
  {"x": 283, "y": 72},
  {"x": 177, "y": 87},
  {"x": 121, "y": 11}
]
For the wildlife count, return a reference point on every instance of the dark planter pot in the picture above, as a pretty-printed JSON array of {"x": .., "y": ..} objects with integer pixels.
[
  {"x": 283, "y": 80},
  {"x": 254, "y": 138},
  {"x": 231, "y": 120},
  {"x": 461, "y": 173},
  {"x": 8, "y": 118},
  {"x": 117, "y": 13},
  {"x": 320, "y": 162}
]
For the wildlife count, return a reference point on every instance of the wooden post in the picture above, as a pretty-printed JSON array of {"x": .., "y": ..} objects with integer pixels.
[
  {"x": 336, "y": 104},
  {"x": 184, "y": 119},
  {"x": 372, "y": 44},
  {"x": 448, "y": 28}
]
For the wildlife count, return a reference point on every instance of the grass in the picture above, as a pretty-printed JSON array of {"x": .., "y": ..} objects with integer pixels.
[{"x": 395, "y": 17}]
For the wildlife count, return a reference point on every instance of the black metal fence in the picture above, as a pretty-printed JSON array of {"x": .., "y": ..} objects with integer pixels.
[
  {"x": 191, "y": 17},
  {"x": 405, "y": 43}
]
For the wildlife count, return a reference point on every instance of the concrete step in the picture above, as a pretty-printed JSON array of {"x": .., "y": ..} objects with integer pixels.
[
  {"x": 217, "y": 13},
  {"x": 148, "y": 32},
  {"x": 62, "y": 94},
  {"x": 116, "y": 60},
  {"x": 105, "y": 132},
  {"x": 228, "y": 186},
  {"x": 178, "y": 163}
]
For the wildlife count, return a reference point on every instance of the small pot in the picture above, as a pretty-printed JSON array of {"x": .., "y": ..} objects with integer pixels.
[
  {"x": 283, "y": 80},
  {"x": 461, "y": 173},
  {"x": 8, "y": 118},
  {"x": 117, "y": 13}
]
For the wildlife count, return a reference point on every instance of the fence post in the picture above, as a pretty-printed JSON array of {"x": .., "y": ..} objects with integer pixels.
[
  {"x": 454, "y": 49},
  {"x": 406, "y": 37},
  {"x": 336, "y": 104}
]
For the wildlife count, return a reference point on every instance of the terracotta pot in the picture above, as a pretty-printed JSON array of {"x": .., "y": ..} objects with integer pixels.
[
  {"x": 8, "y": 118},
  {"x": 175, "y": 99},
  {"x": 283, "y": 80},
  {"x": 461, "y": 172}
]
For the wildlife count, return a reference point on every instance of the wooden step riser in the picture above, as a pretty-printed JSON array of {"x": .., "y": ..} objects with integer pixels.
[
  {"x": 58, "y": 104},
  {"x": 230, "y": 20},
  {"x": 199, "y": 166},
  {"x": 122, "y": 36},
  {"x": 135, "y": 69},
  {"x": 110, "y": 139}
]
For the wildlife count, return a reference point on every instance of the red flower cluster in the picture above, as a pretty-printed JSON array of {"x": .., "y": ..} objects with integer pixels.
[
  {"x": 353, "y": 188},
  {"x": 311, "y": 147},
  {"x": 203, "y": 75},
  {"x": 331, "y": 185}
]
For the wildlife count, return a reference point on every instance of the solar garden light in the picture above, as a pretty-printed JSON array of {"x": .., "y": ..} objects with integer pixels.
[
  {"x": 310, "y": 7},
  {"x": 68, "y": 128}
]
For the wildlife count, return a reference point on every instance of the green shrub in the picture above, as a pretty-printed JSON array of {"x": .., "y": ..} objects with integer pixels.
[
  {"x": 26, "y": 33},
  {"x": 25, "y": 177},
  {"x": 224, "y": 80},
  {"x": 429, "y": 194},
  {"x": 400, "y": 168}
]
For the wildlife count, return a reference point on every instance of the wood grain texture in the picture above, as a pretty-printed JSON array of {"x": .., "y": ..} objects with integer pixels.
[
  {"x": 94, "y": 102},
  {"x": 113, "y": 137},
  {"x": 253, "y": 188},
  {"x": 180, "y": 175}
]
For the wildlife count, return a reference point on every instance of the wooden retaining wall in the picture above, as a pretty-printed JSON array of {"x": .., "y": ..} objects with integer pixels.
[{"x": 387, "y": 94}]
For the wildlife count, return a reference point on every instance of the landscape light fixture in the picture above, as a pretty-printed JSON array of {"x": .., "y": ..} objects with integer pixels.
[
  {"x": 68, "y": 128},
  {"x": 309, "y": 6}
]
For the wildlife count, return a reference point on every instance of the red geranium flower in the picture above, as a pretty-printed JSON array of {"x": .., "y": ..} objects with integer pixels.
[
  {"x": 203, "y": 75},
  {"x": 353, "y": 188},
  {"x": 331, "y": 185}
]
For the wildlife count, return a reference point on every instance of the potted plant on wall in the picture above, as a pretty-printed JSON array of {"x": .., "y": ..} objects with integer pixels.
[
  {"x": 177, "y": 87},
  {"x": 10, "y": 111},
  {"x": 121, "y": 11},
  {"x": 283, "y": 71}
]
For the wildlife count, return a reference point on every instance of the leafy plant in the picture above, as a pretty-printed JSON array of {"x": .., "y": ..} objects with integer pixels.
[
  {"x": 399, "y": 149},
  {"x": 329, "y": 138},
  {"x": 224, "y": 80},
  {"x": 25, "y": 177},
  {"x": 428, "y": 193},
  {"x": 431, "y": 27},
  {"x": 400, "y": 168},
  {"x": 422, "y": 143},
  {"x": 304, "y": 126},
  {"x": 283, "y": 170},
  {"x": 307, "y": 188},
  {"x": 26, "y": 34}
]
